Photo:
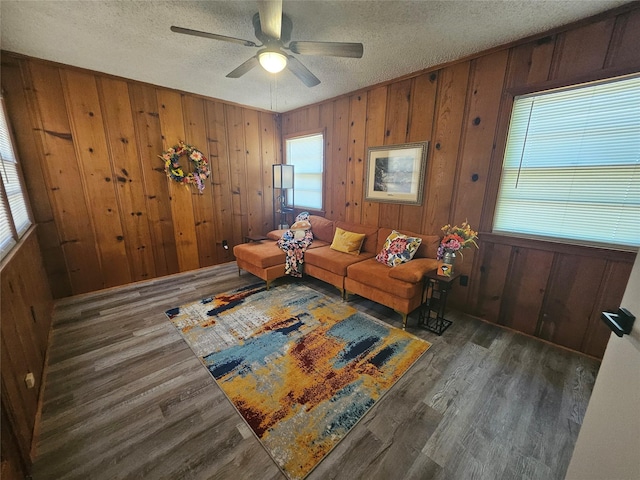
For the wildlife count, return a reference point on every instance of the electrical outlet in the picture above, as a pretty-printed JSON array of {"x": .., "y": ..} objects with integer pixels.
[
  {"x": 464, "y": 280},
  {"x": 225, "y": 245},
  {"x": 30, "y": 380}
]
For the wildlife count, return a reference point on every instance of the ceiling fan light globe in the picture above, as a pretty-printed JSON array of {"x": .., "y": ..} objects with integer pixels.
[{"x": 272, "y": 62}]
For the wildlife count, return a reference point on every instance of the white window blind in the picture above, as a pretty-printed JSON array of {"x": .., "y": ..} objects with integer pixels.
[
  {"x": 572, "y": 166},
  {"x": 14, "y": 214},
  {"x": 306, "y": 154},
  {"x": 7, "y": 240}
]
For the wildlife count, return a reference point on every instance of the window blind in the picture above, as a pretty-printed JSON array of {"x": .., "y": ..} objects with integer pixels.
[
  {"x": 306, "y": 154},
  {"x": 572, "y": 166},
  {"x": 6, "y": 234},
  {"x": 14, "y": 213}
]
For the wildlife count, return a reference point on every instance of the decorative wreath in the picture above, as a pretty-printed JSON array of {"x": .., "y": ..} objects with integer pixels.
[{"x": 175, "y": 172}]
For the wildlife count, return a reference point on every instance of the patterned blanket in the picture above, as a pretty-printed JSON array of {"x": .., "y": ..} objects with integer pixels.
[{"x": 294, "y": 247}]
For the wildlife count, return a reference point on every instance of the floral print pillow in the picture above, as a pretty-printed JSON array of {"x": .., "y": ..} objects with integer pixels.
[{"x": 398, "y": 248}]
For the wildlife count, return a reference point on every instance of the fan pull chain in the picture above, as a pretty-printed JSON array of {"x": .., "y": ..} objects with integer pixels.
[{"x": 273, "y": 85}]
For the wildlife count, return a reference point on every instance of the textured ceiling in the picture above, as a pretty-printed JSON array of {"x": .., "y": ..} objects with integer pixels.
[{"x": 131, "y": 39}]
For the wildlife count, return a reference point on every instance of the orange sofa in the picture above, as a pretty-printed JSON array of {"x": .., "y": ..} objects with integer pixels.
[
  {"x": 266, "y": 260},
  {"x": 399, "y": 287}
]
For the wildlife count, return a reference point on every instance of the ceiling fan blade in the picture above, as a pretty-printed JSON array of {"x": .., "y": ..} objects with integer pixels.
[
  {"x": 271, "y": 17},
  {"x": 213, "y": 36},
  {"x": 302, "y": 72},
  {"x": 244, "y": 68},
  {"x": 332, "y": 49}
]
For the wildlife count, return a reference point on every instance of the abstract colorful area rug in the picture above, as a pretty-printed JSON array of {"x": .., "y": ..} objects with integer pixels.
[{"x": 300, "y": 368}]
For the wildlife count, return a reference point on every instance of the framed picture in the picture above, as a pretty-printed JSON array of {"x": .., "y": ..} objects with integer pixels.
[{"x": 395, "y": 173}]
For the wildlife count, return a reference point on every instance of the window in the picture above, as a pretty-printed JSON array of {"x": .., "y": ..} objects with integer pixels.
[
  {"x": 572, "y": 165},
  {"x": 14, "y": 214},
  {"x": 306, "y": 154}
]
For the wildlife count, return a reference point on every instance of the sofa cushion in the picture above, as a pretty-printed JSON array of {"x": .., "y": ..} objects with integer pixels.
[
  {"x": 318, "y": 244},
  {"x": 276, "y": 234},
  {"x": 261, "y": 254},
  {"x": 415, "y": 270},
  {"x": 398, "y": 249},
  {"x": 369, "y": 244},
  {"x": 428, "y": 248},
  {"x": 376, "y": 275},
  {"x": 347, "y": 242},
  {"x": 333, "y": 261},
  {"x": 321, "y": 228}
]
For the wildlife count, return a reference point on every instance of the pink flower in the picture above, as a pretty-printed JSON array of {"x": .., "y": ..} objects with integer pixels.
[
  {"x": 453, "y": 244},
  {"x": 383, "y": 256},
  {"x": 399, "y": 245}
]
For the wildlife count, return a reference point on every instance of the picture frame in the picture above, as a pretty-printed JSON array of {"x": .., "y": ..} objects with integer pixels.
[{"x": 395, "y": 173}]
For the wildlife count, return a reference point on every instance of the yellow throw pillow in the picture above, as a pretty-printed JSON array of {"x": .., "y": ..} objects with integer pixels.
[{"x": 347, "y": 242}]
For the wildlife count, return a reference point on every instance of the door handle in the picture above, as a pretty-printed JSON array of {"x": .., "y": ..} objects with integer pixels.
[{"x": 620, "y": 323}]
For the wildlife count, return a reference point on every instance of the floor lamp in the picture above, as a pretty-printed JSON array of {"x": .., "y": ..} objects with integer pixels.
[{"x": 282, "y": 184}]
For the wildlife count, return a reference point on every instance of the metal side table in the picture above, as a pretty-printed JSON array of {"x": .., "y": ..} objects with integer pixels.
[{"x": 434, "y": 295}]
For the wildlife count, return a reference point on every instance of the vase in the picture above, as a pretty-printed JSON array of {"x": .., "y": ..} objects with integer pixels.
[{"x": 448, "y": 260}]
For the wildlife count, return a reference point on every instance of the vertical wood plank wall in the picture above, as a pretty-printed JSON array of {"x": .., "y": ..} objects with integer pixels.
[
  {"x": 109, "y": 216},
  {"x": 553, "y": 291},
  {"x": 25, "y": 308}
]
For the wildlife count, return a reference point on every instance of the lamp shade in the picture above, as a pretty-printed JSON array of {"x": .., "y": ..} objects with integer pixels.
[
  {"x": 272, "y": 62},
  {"x": 282, "y": 176}
]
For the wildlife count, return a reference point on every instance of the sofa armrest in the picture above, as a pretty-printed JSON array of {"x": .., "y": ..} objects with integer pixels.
[{"x": 414, "y": 270}]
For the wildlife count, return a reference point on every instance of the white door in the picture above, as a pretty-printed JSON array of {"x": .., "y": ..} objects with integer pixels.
[{"x": 608, "y": 445}]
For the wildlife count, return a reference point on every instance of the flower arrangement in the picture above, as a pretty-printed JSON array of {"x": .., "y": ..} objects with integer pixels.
[
  {"x": 174, "y": 170},
  {"x": 456, "y": 238}
]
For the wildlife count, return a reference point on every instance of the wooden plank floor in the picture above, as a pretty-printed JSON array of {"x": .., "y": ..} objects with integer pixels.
[{"x": 126, "y": 398}]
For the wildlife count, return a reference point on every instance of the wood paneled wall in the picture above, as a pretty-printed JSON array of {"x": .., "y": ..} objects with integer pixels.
[
  {"x": 89, "y": 145},
  {"x": 25, "y": 307},
  {"x": 108, "y": 215},
  {"x": 554, "y": 291}
]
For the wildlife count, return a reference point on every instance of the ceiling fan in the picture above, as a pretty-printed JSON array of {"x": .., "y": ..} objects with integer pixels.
[{"x": 273, "y": 29}]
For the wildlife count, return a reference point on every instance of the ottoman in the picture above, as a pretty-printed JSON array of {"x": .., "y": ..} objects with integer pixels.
[{"x": 264, "y": 259}]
